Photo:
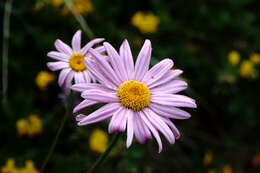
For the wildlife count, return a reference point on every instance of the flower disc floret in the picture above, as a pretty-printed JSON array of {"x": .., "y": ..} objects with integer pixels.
[
  {"x": 134, "y": 95},
  {"x": 77, "y": 62}
]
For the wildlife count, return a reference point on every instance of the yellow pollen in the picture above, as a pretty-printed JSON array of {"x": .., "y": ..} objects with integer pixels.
[
  {"x": 134, "y": 95},
  {"x": 77, "y": 62}
]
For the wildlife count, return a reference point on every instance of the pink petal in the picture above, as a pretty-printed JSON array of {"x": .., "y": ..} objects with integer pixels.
[
  {"x": 160, "y": 125},
  {"x": 100, "y": 114},
  {"x": 143, "y": 60},
  {"x": 79, "y": 78},
  {"x": 54, "y": 66},
  {"x": 100, "y": 96},
  {"x": 117, "y": 62},
  {"x": 157, "y": 71},
  {"x": 130, "y": 128},
  {"x": 118, "y": 121},
  {"x": 172, "y": 126},
  {"x": 90, "y": 86},
  {"x": 90, "y": 44},
  {"x": 68, "y": 80},
  {"x": 63, "y": 75},
  {"x": 169, "y": 111},
  {"x": 96, "y": 71},
  {"x": 100, "y": 49},
  {"x": 62, "y": 47},
  {"x": 58, "y": 56},
  {"x": 170, "y": 75},
  {"x": 88, "y": 77},
  {"x": 126, "y": 54},
  {"x": 153, "y": 130},
  {"x": 76, "y": 41},
  {"x": 84, "y": 104},
  {"x": 105, "y": 67},
  {"x": 141, "y": 131},
  {"x": 173, "y": 100},
  {"x": 171, "y": 87}
]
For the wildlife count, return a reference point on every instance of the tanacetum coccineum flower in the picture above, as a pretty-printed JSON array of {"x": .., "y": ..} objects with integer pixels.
[
  {"x": 140, "y": 100},
  {"x": 71, "y": 61}
]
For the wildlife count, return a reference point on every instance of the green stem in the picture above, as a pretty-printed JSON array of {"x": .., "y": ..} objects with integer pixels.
[
  {"x": 6, "y": 36},
  {"x": 54, "y": 143},
  {"x": 80, "y": 20},
  {"x": 105, "y": 154}
]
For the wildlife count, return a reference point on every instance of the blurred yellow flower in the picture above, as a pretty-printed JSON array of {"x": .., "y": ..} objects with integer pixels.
[
  {"x": 29, "y": 168},
  {"x": 80, "y": 7},
  {"x": 21, "y": 126},
  {"x": 227, "y": 169},
  {"x": 145, "y": 22},
  {"x": 98, "y": 141},
  {"x": 43, "y": 78},
  {"x": 9, "y": 167},
  {"x": 56, "y": 3},
  {"x": 208, "y": 158},
  {"x": 254, "y": 58},
  {"x": 35, "y": 125},
  {"x": 246, "y": 68},
  {"x": 233, "y": 57},
  {"x": 30, "y": 126}
]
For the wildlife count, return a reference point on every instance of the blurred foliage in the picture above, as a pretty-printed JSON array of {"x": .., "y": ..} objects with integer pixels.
[{"x": 198, "y": 35}]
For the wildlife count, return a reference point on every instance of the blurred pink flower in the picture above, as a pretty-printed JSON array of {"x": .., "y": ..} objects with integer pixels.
[
  {"x": 71, "y": 61},
  {"x": 140, "y": 100}
]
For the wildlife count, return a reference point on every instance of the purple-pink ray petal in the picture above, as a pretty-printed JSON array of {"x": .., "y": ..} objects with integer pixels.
[
  {"x": 169, "y": 111},
  {"x": 58, "y": 56},
  {"x": 54, "y": 66},
  {"x": 63, "y": 75},
  {"x": 89, "y": 86},
  {"x": 141, "y": 132},
  {"x": 130, "y": 128},
  {"x": 126, "y": 54},
  {"x": 88, "y": 77},
  {"x": 170, "y": 75},
  {"x": 90, "y": 44},
  {"x": 79, "y": 78},
  {"x": 153, "y": 130},
  {"x": 76, "y": 42},
  {"x": 143, "y": 61},
  {"x": 99, "y": 115},
  {"x": 84, "y": 104},
  {"x": 141, "y": 126},
  {"x": 118, "y": 121},
  {"x": 100, "y": 96},
  {"x": 157, "y": 71},
  {"x": 105, "y": 67},
  {"x": 160, "y": 125},
  {"x": 173, "y": 100},
  {"x": 173, "y": 127},
  {"x": 95, "y": 70},
  {"x": 62, "y": 47},
  {"x": 171, "y": 87},
  {"x": 68, "y": 80},
  {"x": 117, "y": 62}
]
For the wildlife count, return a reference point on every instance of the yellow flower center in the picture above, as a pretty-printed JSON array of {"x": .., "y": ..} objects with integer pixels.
[
  {"x": 77, "y": 62},
  {"x": 134, "y": 95}
]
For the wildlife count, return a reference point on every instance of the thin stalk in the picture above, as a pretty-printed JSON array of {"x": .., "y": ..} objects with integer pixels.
[
  {"x": 6, "y": 36},
  {"x": 55, "y": 140},
  {"x": 80, "y": 19},
  {"x": 105, "y": 154}
]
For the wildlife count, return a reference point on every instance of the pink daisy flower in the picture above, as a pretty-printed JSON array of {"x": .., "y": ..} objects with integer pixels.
[
  {"x": 140, "y": 101},
  {"x": 71, "y": 61}
]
